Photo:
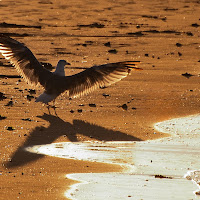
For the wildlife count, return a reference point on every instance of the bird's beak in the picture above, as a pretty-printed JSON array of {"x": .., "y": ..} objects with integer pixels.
[{"x": 67, "y": 63}]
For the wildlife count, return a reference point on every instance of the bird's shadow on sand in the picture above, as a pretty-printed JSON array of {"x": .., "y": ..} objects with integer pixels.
[{"x": 41, "y": 135}]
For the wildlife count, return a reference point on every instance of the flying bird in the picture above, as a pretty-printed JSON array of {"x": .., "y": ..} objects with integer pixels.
[{"x": 56, "y": 83}]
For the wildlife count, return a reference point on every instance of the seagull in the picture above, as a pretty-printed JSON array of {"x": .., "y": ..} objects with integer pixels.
[{"x": 56, "y": 83}]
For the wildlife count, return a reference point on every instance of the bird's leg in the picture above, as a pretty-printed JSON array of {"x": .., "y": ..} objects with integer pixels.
[
  {"x": 48, "y": 106},
  {"x": 54, "y": 104},
  {"x": 54, "y": 107}
]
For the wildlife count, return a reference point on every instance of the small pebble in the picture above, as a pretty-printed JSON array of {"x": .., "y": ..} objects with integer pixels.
[
  {"x": 114, "y": 51},
  {"x": 10, "y": 128}
]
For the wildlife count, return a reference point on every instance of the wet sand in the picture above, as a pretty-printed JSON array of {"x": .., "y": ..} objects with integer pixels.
[{"x": 164, "y": 36}]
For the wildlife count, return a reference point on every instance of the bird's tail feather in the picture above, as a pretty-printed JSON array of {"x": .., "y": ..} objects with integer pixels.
[{"x": 45, "y": 98}]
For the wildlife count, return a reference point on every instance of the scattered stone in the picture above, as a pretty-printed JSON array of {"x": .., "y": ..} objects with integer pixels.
[
  {"x": 195, "y": 25},
  {"x": 146, "y": 54},
  {"x": 81, "y": 105},
  {"x": 10, "y": 103},
  {"x": 92, "y": 105},
  {"x": 189, "y": 33},
  {"x": 150, "y": 16},
  {"x": 2, "y": 117},
  {"x": 106, "y": 95},
  {"x": 124, "y": 106},
  {"x": 71, "y": 111},
  {"x": 170, "y": 9},
  {"x": 164, "y": 18},
  {"x": 114, "y": 51},
  {"x": 94, "y": 25},
  {"x": 133, "y": 108},
  {"x": 187, "y": 75},
  {"x": 80, "y": 110},
  {"x": 29, "y": 97},
  {"x": 107, "y": 44},
  {"x": 10, "y": 128},
  {"x": 179, "y": 53},
  {"x": 32, "y": 91},
  {"x": 2, "y": 97},
  {"x": 138, "y": 34},
  {"x": 161, "y": 176},
  {"x": 179, "y": 44}
]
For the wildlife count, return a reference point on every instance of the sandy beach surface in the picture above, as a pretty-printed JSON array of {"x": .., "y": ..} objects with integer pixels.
[{"x": 164, "y": 36}]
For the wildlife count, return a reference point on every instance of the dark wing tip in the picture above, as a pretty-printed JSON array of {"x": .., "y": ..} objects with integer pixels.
[{"x": 131, "y": 64}]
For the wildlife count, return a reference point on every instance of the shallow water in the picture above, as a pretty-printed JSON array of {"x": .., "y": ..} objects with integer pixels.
[{"x": 151, "y": 169}]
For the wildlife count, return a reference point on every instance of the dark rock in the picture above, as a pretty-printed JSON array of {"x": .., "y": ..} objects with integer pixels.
[
  {"x": 189, "y": 33},
  {"x": 106, "y": 95},
  {"x": 114, "y": 51},
  {"x": 179, "y": 44},
  {"x": 161, "y": 176},
  {"x": 10, "y": 128},
  {"x": 124, "y": 106},
  {"x": 94, "y": 25},
  {"x": 2, "y": 117},
  {"x": 32, "y": 91},
  {"x": 137, "y": 34},
  {"x": 92, "y": 105},
  {"x": 84, "y": 45},
  {"x": 29, "y": 97},
  {"x": 2, "y": 97},
  {"x": 107, "y": 44},
  {"x": 179, "y": 53},
  {"x": 187, "y": 75},
  {"x": 195, "y": 25},
  {"x": 10, "y": 103}
]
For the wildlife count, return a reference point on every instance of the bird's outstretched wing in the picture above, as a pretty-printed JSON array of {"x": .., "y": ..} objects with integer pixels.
[
  {"x": 98, "y": 77},
  {"x": 24, "y": 61}
]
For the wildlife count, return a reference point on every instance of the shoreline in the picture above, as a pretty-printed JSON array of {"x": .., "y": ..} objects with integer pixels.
[{"x": 153, "y": 160}]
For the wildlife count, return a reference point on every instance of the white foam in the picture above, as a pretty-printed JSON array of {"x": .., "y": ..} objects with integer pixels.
[
  {"x": 119, "y": 153},
  {"x": 184, "y": 125}
]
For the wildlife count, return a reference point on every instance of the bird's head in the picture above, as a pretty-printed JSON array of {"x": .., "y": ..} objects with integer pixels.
[
  {"x": 63, "y": 62},
  {"x": 60, "y": 67}
]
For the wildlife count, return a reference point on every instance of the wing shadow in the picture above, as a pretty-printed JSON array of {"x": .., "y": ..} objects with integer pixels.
[{"x": 41, "y": 135}]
